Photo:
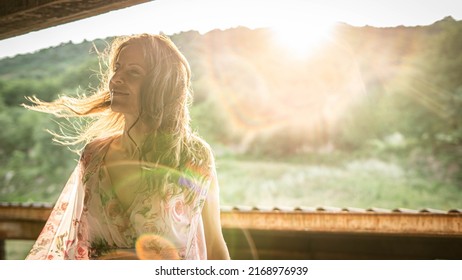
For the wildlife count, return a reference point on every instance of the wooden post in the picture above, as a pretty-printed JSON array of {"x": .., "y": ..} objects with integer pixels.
[{"x": 2, "y": 249}]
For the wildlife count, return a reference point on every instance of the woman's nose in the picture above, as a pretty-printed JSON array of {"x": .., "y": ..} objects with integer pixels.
[{"x": 116, "y": 78}]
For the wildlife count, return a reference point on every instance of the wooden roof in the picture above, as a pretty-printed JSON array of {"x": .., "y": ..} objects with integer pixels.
[{"x": 21, "y": 17}]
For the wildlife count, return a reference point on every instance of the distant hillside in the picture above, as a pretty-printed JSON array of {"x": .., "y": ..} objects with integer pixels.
[
  {"x": 398, "y": 42},
  {"x": 48, "y": 62}
]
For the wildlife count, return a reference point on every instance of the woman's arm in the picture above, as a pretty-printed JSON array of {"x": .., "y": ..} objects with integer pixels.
[{"x": 216, "y": 246}]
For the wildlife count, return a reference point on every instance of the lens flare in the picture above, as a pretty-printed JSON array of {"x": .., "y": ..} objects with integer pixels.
[
  {"x": 155, "y": 247},
  {"x": 262, "y": 90}
]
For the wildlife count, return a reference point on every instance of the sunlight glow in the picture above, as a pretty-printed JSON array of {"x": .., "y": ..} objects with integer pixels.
[{"x": 303, "y": 36}]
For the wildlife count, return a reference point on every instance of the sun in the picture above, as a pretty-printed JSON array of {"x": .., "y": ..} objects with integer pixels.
[{"x": 303, "y": 35}]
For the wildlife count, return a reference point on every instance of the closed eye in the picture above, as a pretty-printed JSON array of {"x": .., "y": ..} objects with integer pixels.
[
  {"x": 134, "y": 73},
  {"x": 135, "y": 70}
]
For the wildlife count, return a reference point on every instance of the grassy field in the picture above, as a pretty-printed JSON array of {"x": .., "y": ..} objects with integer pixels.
[{"x": 361, "y": 182}]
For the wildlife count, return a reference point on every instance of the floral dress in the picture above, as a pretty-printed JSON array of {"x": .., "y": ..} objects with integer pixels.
[{"x": 89, "y": 222}]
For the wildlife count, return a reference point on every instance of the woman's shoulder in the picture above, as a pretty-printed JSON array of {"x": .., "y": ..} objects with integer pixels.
[
  {"x": 199, "y": 144},
  {"x": 201, "y": 155},
  {"x": 94, "y": 149},
  {"x": 200, "y": 148}
]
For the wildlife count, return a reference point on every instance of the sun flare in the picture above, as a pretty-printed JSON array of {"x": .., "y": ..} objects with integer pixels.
[{"x": 302, "y": 37}]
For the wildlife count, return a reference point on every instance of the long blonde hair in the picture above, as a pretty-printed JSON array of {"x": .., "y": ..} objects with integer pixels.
[{"x": 165, "y": 99}]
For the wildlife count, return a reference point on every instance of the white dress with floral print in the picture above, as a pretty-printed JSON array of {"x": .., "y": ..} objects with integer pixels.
[{"x": 89, "y": 222}]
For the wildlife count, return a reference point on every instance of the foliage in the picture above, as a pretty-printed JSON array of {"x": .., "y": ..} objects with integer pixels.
[{"x": 415, "y": 94}]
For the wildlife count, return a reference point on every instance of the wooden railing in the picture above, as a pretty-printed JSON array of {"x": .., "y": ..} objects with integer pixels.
[{"x": 302, "y": 233}]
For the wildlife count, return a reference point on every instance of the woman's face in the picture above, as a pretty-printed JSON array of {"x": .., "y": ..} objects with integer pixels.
[{"x": 125, "y": 85}]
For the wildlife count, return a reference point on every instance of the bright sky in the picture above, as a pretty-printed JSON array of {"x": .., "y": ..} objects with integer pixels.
[{"x": 173, "y": 16}]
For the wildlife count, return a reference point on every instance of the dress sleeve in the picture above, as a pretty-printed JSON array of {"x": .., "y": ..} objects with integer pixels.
[{"x": 63, "y": 236}]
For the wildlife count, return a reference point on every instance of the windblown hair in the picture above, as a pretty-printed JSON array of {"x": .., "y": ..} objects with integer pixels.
[{"x": 165, "y": 99}]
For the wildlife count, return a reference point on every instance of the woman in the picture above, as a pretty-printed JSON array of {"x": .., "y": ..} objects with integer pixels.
[{"x": 145, "y": 186}]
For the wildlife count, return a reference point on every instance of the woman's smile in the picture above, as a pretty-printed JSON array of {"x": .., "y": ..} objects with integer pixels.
[{"x": 119, "y": 93}]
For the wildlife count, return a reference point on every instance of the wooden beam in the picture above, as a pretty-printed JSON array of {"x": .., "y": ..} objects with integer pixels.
[
  {"x": 20, "y": 17},
  {"x": 406, "y": 224},
  {"x": 21, "y": 221}
]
